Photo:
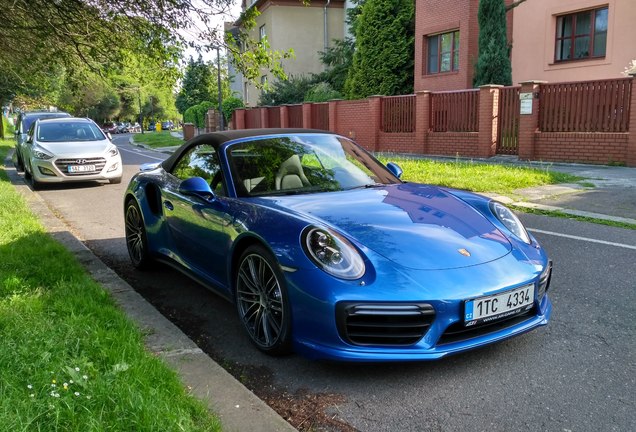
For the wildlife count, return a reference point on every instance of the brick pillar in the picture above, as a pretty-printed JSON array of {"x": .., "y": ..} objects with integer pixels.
[
  {"x": 422, "y": 119},
  {"x": 488, "y": 121},
  {"x": 307, "y": 116},
  {"x": 238, "y": 118},
  {"x": 264, "y": 117},
  {"x": 333, "y": 115},
  {"x": 188, "y": 131},
  {"x": 284, "y": 116},
  {"x": 631, "y": 140},
  {"x": 375, "y": 117},
  {"x": 529, "y": 123}
]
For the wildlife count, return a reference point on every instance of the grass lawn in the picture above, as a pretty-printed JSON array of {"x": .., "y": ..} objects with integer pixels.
[
  {"x": 475, "y": 176},
  {"x": 70, "y": 359},
  {"x": 157, "y": 139}
]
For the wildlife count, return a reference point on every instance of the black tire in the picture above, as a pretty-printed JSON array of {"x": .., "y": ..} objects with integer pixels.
[
  {"x": 136, "y": 238},
  {"x": 115, "y": 180},
  {"x": 19, "y": 164},
  {"x": 27, "y": 172},
  {"x": 262, "y": 301},
  {"x": 35, "y": 185}
]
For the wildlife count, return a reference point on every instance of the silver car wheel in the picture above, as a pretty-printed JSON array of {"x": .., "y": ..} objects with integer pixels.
[{"x": 261, "y": 302}]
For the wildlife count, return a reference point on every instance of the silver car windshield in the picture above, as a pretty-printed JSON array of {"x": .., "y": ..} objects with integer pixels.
[
  {"x": 303, "y": 164},
  {"x": 69, "y": 131}
]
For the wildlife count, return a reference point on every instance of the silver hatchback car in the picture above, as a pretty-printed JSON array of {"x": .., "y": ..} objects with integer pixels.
[{"x": 69, "y": 149}]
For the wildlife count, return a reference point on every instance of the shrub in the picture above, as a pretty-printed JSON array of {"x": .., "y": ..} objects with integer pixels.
[
  {"x": 229, "y": 105},
  {"x": 196, "y": 114},
  {"x": 322, "y": 92}
]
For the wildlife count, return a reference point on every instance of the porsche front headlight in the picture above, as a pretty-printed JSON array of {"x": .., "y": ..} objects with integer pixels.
[
  {"x": 333, "y": 253},
  {"x": 510, "y": 221}
]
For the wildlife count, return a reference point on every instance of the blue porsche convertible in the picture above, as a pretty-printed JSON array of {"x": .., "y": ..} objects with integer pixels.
[{"x": 326, "y": 252}]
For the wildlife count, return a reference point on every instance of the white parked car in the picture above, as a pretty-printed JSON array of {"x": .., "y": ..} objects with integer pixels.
[{"x": 70, "y": 149}]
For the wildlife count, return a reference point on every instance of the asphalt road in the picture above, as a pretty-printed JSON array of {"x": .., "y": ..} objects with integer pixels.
[{"x": 576, "y": 374}]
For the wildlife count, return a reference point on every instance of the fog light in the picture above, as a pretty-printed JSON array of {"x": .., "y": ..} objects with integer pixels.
[
  {"x": 113, "y": 167},
  {"x": 46, "y": 171}
]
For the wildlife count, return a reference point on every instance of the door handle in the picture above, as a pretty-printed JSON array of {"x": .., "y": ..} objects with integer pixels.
[{"x": 168, "y": 205}]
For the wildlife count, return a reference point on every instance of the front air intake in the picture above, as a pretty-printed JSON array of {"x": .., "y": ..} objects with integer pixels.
[{"x": 383, "y": 324}]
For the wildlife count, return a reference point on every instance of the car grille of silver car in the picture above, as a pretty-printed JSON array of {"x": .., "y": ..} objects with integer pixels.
[
  {"x": 99, "y": 162},
  {"x": 384, "y": 324}
]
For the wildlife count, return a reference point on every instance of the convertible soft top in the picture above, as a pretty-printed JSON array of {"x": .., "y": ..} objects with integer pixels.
[{"x": 215, "y": 139}]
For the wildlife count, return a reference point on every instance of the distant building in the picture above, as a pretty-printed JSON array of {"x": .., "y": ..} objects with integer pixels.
[
  {"x": 565, "y": 40},
  {"x": 288, "y": 24},
  {"x": 446, "y": 43},
  {"x": 573, "y": 40}
]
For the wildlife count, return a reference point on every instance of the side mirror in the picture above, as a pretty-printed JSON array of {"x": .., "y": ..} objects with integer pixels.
[
  {"x": 109, "y": 136},
  {"x": 395, "y": 169},
  {"x": 198, "y": 187}
]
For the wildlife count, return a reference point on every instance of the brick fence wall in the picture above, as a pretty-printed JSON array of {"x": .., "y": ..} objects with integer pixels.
[{"x": 361, "y": 120}]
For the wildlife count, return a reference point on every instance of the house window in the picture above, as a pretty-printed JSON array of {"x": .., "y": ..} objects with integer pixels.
[
  {"x": 581, "y": 35},
  {"x": 261, "y": 32},
  {"x": 443, "y": 52}
]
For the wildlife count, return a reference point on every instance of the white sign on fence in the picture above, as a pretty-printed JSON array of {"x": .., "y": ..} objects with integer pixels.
[{"x": 526, "y": 103}]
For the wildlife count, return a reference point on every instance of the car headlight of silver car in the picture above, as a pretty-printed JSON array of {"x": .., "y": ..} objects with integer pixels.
[
  {"x": 41, "y": 154},
  {"x": 510, "y": 221},
  {"x": 113, "y": 151},
  {"x": 333, "y": 253}
]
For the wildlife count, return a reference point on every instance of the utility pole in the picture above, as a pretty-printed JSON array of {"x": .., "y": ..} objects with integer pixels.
[
  {"x": 218, "y": 76},
  {"x": 141, "y": 118}
]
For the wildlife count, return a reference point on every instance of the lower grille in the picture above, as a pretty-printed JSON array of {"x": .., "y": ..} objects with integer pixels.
[
  {"x": 63, "y": 164},
  {"x": 383, "y": 324},
  {"x": 457, "y": 332}
]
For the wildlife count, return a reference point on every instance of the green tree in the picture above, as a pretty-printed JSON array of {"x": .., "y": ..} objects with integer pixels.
[
  {"x": 197, "y": 82},
  {"x": 41, "y": 40},
  {"x": 383, "y": 60},
  {"x": 338, "y": 58},
  {"x": 493, "y": 62}
]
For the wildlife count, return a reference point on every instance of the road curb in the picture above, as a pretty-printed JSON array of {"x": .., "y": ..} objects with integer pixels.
[{"x": 237, "y": 407}]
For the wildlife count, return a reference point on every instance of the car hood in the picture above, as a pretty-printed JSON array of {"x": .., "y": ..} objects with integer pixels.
[
  {"x": 416, "y": 226},
  {"x": 75, "y": 148}
]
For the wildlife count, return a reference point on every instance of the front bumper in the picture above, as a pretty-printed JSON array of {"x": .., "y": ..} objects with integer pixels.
[
  {"x": 57, "y": 170},
  {"x": 438, "y": 297}
]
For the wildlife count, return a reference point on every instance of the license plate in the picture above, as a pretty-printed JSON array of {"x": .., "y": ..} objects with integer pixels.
[
  {"x": 498, "y": 306},
  {"x": 80, "y": 168}
]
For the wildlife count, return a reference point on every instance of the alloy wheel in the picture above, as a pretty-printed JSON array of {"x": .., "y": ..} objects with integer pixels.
[{"x": 260, "y": 302}]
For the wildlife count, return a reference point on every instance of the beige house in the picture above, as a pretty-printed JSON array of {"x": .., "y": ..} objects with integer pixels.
[
  {"x": 288, "y": 24},
  {"x": 573, "y": 40}
]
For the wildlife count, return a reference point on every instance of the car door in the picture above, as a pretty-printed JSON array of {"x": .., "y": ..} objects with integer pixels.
[{"x": 198, "y": 225}]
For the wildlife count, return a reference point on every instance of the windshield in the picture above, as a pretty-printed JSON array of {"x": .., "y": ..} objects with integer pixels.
[
  {"x": 69, "y": 131},
  {"x": 303, "y": 164},
  {"x": 28, "y": 120}
]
